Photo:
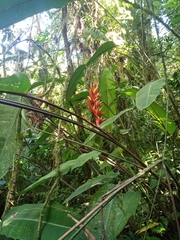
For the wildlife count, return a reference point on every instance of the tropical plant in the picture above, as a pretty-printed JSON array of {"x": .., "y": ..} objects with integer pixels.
[{"x": 89, "y": 145}]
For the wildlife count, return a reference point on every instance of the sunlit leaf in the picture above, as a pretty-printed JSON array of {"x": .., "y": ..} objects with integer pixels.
[
  {"x": 157, "y": 3},
  {"x": 159, "y": 115},
  {"x": 146, "y": 95},
  {"x": 13, "y": 11},
  {"x": 157, "y": 112},
  {"x": 78, "y": 162},
  {"x": 104, "y": 48},
  {"x": 151, "y": 225},
  {"x": 18, "y": 82},
  {"x": 107, "y": 90}
]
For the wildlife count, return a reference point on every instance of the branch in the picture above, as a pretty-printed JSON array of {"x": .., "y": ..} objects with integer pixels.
[
  {"x": 94, "y": 128},
  {"x": 86, "y": 231},
  {"x": 66, "y": 42},
  {"x": 135, "y": 5},
  {"x": 114, "y": 192}
]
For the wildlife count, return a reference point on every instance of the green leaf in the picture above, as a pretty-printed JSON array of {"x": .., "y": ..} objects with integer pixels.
[
  {"x": 79, "y": 72},
  {"x": 78, "y": 162},
  {"x": 159, "y": 115},
  {"x": 104, "y": 48},
  {"x": 107, "y": 90},
  {"x": 107, "y": 122},
  {"x": 22, "y": 222},
  {"x": 146, "y": 95},
  {"x": 115, "y": 214},
  {"x": 37, "y": 84},
  {"x": 98, "y": 33},
  {"x": 9, "y": 138},
  {"x": 16, "y": 10},
  {"x": 65, "y": 168},
  {"x": 156, "y": 3},
  {"x": 42, "y": 139},
  {"x": 175, "y": 20},
  {"x": 79, "y": 97},
  {"x": 144, "y": 229},
  {"x": 128, "y": 208},
  {"x": 18, "y": 82},
  {"x": 114, "y": 118},
  {"x": 99, "y": 180},
  {"x": 157, "y": 112},
  {"x": 109, "y": 214},
  {"x": 130, "y": 92}
]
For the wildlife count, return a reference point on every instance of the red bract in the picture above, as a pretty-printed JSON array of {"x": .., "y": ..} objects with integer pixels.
[{"x": 95, "y": 104}]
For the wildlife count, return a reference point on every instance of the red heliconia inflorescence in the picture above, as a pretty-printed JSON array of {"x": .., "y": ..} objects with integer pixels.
[{"x": 95, "y": 104}]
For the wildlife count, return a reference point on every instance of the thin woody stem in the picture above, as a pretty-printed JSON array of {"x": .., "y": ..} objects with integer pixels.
[{"x": 112, "y": 194}]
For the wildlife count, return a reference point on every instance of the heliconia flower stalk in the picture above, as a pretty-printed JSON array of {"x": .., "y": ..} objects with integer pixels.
[{"x": 95, "y": 104}]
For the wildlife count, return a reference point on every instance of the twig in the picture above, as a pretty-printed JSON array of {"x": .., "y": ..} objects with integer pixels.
[
  {"x": 66, "y": 42},
  {"x": 167, "y": 108},
  {"x": 67, "y": 184},
  {"x": 115, "y": 191},
  {"x": 94, "y": 128},
  {"x": 135, "y": 5},
  {"x": 11, "y": 192},
  {"x": 102, "y": 224},
  {"x": 86, "y": 231},
  {"x": 172, "y": 200},
  {"x": 43, "y": 209}
]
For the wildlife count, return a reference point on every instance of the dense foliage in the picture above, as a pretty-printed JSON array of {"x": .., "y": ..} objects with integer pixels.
[{"x": 89, "y": 120}]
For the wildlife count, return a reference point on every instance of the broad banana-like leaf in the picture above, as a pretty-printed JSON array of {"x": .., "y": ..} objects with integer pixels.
[
  {"x": 157, "y": 112},
  {"x": 9, "y": 137},
  {"x": 107, "y": 89},
  {"x": 148, "y": 94},
  {"x": 22, "y": 222},
  {"x": 13, "y": 11}
]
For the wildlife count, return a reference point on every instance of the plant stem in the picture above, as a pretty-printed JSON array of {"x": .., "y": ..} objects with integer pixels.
[{"x": 114, "y": 192}]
